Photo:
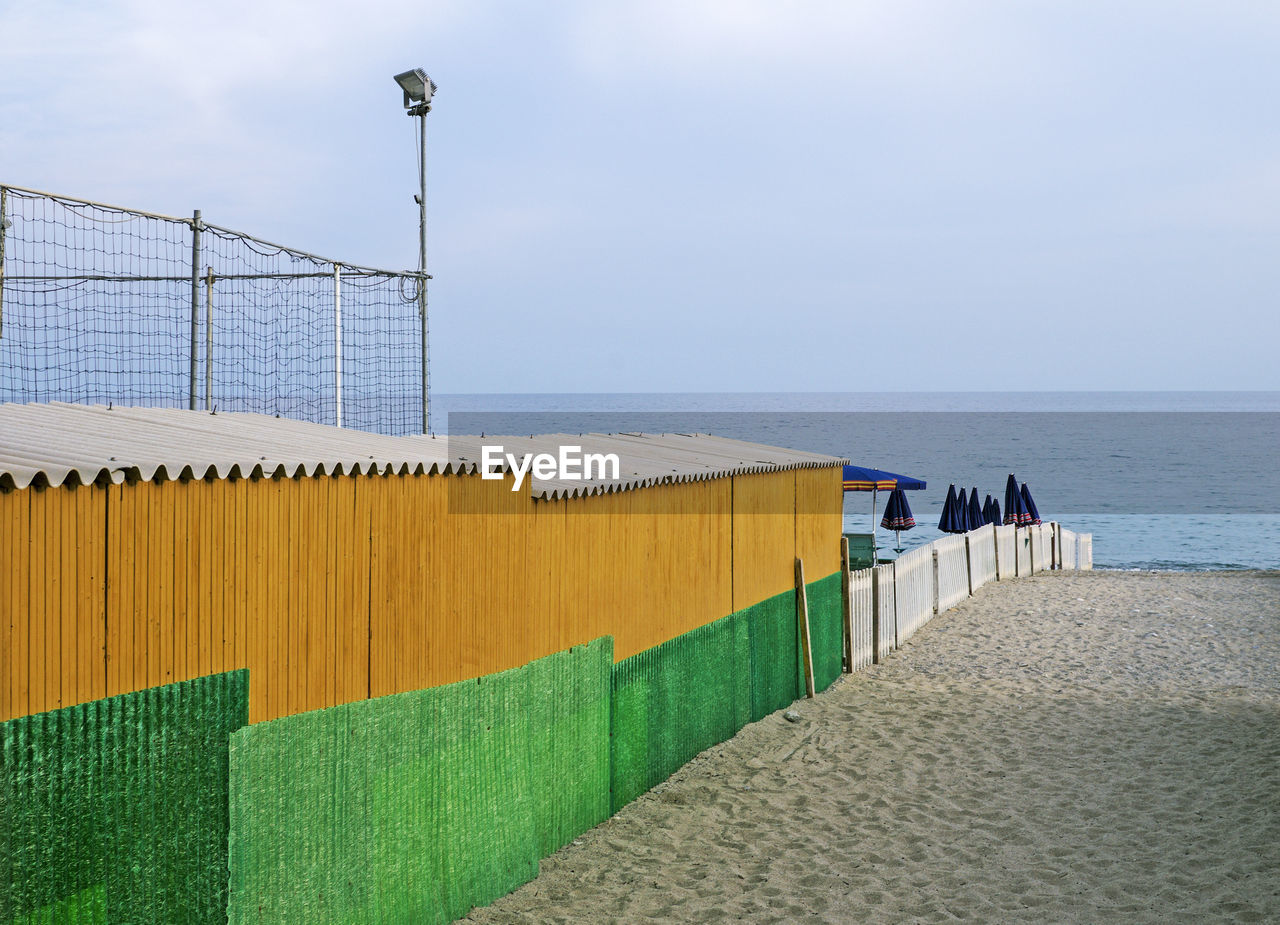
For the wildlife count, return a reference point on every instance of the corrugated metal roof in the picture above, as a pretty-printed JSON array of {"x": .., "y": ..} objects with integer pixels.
[{"x": 56, "y": 443}]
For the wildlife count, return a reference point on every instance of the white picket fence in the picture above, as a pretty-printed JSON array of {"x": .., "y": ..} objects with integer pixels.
[
  {"x": 953, "y": 571},
  {"x": 981, "y": 545},
  {"x": 913, "y": 590},
  {"x": 890, "y": 603},
  {"x": 1076, "y": 549},
  {"x": 885, "y": 610},
  {"x": 1004, "y": 552},
  {"x": 860, "y": 622}
]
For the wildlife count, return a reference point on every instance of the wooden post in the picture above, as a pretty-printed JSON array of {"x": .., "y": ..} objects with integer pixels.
[
  {"x": 1055, "y": 550},
  {"x": 846, "y": 601},
  {"x": 897, "y": 642},
  {"x": 968, "y": 563},
  {"x": 935, "y": 581},
  {"x": 995, "y": 538},
  {"x": 802, "y": 616},
  {"x": 1031, "y": 549},
  {"x": 875, "y": 615}
]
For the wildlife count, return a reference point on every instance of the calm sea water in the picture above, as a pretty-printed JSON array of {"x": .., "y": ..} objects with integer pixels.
[{"x": 1163, "y": 480}]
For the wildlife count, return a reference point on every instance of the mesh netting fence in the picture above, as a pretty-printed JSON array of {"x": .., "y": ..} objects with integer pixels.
[
  {"x": 116, "y": 810},
  {"x": 414, "y": 807},
  {"x": 100, "y": 304}
]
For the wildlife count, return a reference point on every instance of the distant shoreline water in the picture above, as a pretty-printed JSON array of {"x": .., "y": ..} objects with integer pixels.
[{"x": 1226, "y": 527}]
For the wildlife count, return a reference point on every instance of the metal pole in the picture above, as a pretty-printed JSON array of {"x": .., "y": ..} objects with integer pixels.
[
  {"x": 337, "y": 342},
  {"x": 195, "y": 304},
  {"x": 4, "y": 214},
  {"x": 422, "y": 264},
  {"x": 208, "y": 339},
  {"x": 875, "y": 549}
]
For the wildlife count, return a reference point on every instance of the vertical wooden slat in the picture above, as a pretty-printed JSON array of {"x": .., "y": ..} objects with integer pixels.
[
  {"x": 50, "y": 598},
  {"x": 69, "y": 603},
  {"x": 91, "y": 604}
]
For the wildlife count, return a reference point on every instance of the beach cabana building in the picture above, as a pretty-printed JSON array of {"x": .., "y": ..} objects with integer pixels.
[{"x": 149, "y": 546}]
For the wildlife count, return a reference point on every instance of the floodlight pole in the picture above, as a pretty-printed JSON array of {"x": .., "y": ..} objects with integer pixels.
[{"x": 421, "y": 111}]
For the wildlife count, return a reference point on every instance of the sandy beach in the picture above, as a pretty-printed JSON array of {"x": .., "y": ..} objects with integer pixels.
[{"x": 1073, "y": 747}]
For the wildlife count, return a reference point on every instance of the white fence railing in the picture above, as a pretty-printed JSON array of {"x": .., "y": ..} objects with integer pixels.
[
  {"x": 1022, "y": 549},
  {"x": 1004, "y": 552},
  {"x": 913, "y": 587},
  {"x": 891, "y": 602},
  {"x": 860, "y": 619},
  {"x": 953, "y": 571},
  {"x": 982, "y": 556},
  {"x": 886, "y": 610}
]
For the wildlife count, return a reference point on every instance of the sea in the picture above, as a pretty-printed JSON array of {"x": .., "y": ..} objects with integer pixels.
[{"x": 1163, "y": 480}]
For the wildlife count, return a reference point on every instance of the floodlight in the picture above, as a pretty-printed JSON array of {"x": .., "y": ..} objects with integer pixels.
[{"x": 417, "y": 86}]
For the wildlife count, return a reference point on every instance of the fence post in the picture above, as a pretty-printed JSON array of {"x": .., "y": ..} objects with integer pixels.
[
  {"x": 875, "y": 615},
  {"x": 337, "y": 344},
  {"x": 936, "y": 591},
  {"x": 802, "y": 616},
  {"x": 968, "y": 563},
  {"x": 846, "y": 602},
  {"x": 195, "y": 303},
  {"x": 995, "y": 540},
  {"x": 897, "y": 641}
]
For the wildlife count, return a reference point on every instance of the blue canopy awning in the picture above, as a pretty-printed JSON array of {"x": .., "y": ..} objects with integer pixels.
[{"x": 859, "y": 478}]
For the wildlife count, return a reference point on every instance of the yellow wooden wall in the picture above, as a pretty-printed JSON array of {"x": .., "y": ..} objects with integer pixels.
[{"x": 335, "y": 589}]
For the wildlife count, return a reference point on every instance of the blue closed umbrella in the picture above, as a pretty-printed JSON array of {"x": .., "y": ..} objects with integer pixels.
[
  {"x": 1015, "y": 512},
  {"x": 1030, "y": 505},
  {"x": 976, "y": 519},
  {"x": 949, "y": 522},
  {"x": 897, "y": 515},
  {"x": 994, "y": 517},
  {"x": 962, "y": 511}
]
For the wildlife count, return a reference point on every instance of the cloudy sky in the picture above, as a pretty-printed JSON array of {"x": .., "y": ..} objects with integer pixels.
[{"x": 716, "y": 195}]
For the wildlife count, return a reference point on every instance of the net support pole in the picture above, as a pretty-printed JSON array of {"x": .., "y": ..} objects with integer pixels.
[
  {"x": 337, "y": 343},
  {"x": 195, "y": 305},
  {"x": 4, "y": 215},
  {"x": 208, "y": 339}
]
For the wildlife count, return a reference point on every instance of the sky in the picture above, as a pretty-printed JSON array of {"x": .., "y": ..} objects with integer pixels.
[{"x": 715, "y": 195}]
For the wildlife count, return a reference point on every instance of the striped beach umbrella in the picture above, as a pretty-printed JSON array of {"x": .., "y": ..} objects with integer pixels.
[
  {"x": 1015, "y": 512},
  {"x": 897, "y": 515},
  {"x": 1032, "y": 512}
]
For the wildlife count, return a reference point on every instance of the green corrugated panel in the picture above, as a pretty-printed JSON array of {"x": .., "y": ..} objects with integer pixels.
[
  {"x": 777, "y": 677},
  {"x": 415, "y": 807},
  {"x": 689, "y": 693},
  {"x": 826, "y": 634},
  {"x": 569, "y": 741},
  {"x": 116, "y": 810},
  {"x": 676, "y": 699}
]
